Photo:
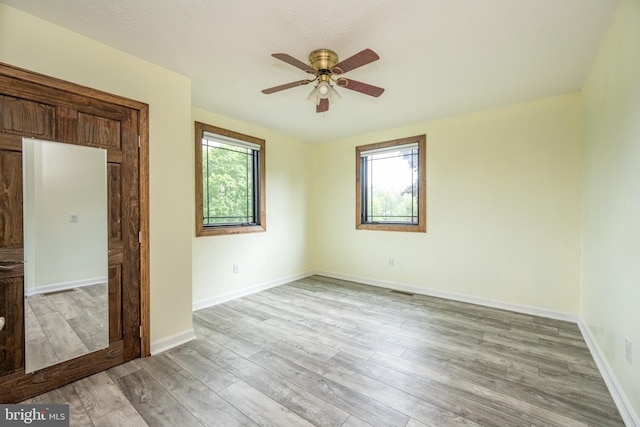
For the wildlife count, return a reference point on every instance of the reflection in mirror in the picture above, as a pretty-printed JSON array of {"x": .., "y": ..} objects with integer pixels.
[{"x": 66, "y": 251}]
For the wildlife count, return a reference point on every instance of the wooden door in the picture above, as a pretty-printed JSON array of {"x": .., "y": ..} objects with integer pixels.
[{"x": 35, "y": 106}]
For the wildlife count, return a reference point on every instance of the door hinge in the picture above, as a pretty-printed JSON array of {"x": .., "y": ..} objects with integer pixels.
[
  {"x": 138, "y": 141},
  {"x": 139, "y": 236},
  {"x": 140, "y": 331}
]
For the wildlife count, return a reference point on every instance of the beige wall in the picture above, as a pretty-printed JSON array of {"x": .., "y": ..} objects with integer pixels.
[
  {"x": 263, "y": 258},
  {"x": 503, "y": 206},
  {"x": 611, "y": 202},
  {"x": 39, "y": 46}
]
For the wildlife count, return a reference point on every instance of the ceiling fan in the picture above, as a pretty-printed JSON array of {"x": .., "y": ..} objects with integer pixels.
[{"x": 324, "y": 64}]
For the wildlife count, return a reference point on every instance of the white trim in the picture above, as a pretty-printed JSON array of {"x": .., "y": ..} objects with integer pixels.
[
  {"x": 487, "y": 302},
  {"x": 627, "y": 413},
  {"x": 210, "y": 302},
  {"x": 57, "y": 287},
  {"x": 172, "y": 341}
]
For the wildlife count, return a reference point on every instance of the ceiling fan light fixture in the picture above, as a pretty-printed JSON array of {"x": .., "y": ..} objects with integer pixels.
[{"x": 324, "y": 89}]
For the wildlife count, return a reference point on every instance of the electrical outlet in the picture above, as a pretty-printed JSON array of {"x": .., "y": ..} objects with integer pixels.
[
  {"x": 627, "y": 349},
  {"x": 236, "y": 268},
  {"x": 390, "y": 262}
]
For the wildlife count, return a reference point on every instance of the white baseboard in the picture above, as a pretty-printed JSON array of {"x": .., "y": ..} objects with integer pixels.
[
  {"x": 627, "y": 413},
  {"x": 172, "y": 341},
  {"x": 57, "y": 287},
  {"x": 487, "y": 302},
  {"x": 219, "y": 299}
]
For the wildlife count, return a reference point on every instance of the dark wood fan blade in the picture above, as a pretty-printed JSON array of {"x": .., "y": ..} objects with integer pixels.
[
  {"x": 293, "y": 61},
  {"x": 355, "y": 61},
  {"x": 322, "y": 106},
  {"x": 286, "y": 86},
  {"x": 365, "y": 88}
]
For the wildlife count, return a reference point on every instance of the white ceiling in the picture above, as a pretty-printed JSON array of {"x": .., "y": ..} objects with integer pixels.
[{"x": 438, "y": 58}]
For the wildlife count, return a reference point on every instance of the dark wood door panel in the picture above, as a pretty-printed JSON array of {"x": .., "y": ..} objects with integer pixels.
[
  {"x": 115, "y": 302},
  {"x": 99, "y": 131},
  {"x": 27, "y": 118},
  {"x": 114, "y": 189},
  {"x": 92, "y": 129},
  {"x": 10, "y": 200},
  {"x": 12, "y": 335}
]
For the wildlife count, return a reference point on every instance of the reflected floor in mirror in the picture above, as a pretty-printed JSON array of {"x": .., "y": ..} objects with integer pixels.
[
  {"x": 325, "y": 352},
  {"x": 65, "y": 324}
]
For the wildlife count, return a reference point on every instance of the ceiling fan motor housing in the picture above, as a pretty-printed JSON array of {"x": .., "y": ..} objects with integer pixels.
[{"x": 323, "y": 60}]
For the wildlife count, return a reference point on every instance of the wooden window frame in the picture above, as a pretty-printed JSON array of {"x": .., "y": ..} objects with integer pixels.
[
  {"x": 201, "y": 229},
  {"x": 421, "y": 227}
]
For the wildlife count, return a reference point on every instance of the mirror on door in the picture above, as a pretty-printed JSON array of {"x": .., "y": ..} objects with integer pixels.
[{"x": 66, "y": 251}]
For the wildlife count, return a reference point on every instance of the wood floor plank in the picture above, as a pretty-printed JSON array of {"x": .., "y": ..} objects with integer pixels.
[
  {"x": 261, "y": 409},
  {"x": 99, "y": 395},
  {"x": 153, "y": 402},
  {"x": 234, "y": 343},
  {"x": 209, "y": 373}
]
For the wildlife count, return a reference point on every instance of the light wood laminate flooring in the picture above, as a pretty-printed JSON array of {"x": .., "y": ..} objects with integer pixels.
[{"x": 325, "y": 352}]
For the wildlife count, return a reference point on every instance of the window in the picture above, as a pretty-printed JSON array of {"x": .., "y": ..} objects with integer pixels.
[
  {"x": 230, "y": 182},
  {"x": 391, "y": 185}
]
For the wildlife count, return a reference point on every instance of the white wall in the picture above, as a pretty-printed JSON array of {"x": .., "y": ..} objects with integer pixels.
[
  {"x": 279, "y": 254},
  {"x": 611, "y": 202},
  {"x": 503, "y": 206},
  {"x": 37, "y": 45}
]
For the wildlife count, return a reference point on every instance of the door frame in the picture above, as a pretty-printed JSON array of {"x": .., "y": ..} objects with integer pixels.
[{"x": 143, "y": 170}]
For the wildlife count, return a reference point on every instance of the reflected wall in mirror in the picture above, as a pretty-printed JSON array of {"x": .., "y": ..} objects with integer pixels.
[{"x": 66, "y": 251}]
